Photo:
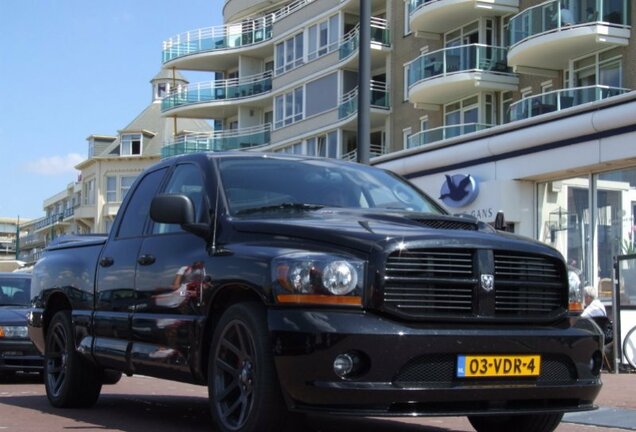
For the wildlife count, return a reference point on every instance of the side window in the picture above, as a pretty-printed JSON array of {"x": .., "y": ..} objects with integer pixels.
[
  {"x": 136, "y": 213},
  {"x": 185, "y": 180}
]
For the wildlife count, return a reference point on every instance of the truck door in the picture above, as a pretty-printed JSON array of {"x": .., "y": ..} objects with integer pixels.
[
  {"x": 171, "y": 284},
  {"x": 115, "y": 297}
]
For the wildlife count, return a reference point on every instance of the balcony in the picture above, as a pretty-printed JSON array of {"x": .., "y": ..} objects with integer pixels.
[
  {"x": 429, "y": 18},
  {"x": 380, "y": 38},
  {"x": 429, "y": 136},
  {"x": 192, "y": 50},
  {"x": 560, "y": 99},
  {"x": 218, "y": 98},
  {"x": 236, "y": 139},
  {"x": 375, "y": 150},
  {"x": 453, "y": 73},
  {"x": 348, "y": 105},
  {"x": 547, "y": 37}
]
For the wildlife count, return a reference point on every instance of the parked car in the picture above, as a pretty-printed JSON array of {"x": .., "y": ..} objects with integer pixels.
[
  {"x": 289, "y": 284},
  {"x": 17, "y": 352}
]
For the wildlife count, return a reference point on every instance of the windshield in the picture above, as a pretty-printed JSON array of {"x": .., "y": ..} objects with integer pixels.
[
  {"x": 284, "y": 184},
  {"x": 15, "y": 291}
]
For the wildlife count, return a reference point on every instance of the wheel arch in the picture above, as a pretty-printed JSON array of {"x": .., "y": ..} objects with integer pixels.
[{"x": 223, "y": 299}]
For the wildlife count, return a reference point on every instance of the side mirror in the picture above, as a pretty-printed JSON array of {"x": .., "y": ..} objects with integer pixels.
[
  {"x": 172, "y": 209},
  {"x": 500, "y": 221},
  {"x": 177, "y": 209}
]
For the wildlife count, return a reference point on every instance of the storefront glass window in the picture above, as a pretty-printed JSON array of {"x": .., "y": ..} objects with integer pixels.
[
  {"x": 564, "y": 221},
  {"x": 616, "y": 207},
  {"x": 590, "y": 241}
]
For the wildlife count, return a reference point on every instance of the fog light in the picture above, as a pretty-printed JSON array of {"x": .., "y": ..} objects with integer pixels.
[
  {"x": 343, "y": 365},
  {"x": 596, "y": 362}
]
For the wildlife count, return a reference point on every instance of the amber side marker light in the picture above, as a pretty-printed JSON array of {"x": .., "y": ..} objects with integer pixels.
[
  {"x": 575, "y": 307},
  {"x": 319, "y": 299}
]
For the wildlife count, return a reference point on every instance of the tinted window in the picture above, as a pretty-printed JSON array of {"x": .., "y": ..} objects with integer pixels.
[
  {"x": 252, "y": 183},
  {"x": 15, "y": 291},
  {"x": 185, "y": 180},
  {"x": 136, "y": 214}
]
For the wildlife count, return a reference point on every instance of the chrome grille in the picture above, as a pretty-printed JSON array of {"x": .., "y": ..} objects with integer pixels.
[
  {"x": 424, "y": 282},
  {"x": 527, "y": 285}
]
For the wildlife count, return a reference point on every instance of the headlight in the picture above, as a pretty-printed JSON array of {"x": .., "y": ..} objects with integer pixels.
[
  {"x": 318, "y": 278},
  {"x": 14, "y": 332}
]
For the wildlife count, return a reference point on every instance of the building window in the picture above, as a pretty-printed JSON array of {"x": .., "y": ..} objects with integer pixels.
[
  {"x": 111, "y": 189},
  {"x": 323, "y": 145},
  {"x": 407, "y": 18},
  {"x": 131, "y": 144},
  {"x": 289, "y": 54},
  {"x": 506, "y": 101},
  {"x": 604, "y": 68},
  {"x": 323, "y": 37},
  {"x": 288, "y": 108},
  {"x": 406, "y": 133},
  {"x": 126, "y": 183},
  {"x": 89, "y": 192},
  {"x": 323, "y": 94}
]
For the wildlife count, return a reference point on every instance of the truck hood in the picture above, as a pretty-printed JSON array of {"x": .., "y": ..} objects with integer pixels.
[{"x": 366, "y": 230}]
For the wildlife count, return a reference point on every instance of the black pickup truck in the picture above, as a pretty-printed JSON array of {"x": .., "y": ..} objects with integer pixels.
[{"x": 293, "y": 285}]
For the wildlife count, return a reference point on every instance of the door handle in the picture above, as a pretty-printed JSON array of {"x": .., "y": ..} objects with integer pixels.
[
  {"x": 146, "y": 259},
  {"x": 106, "y": 262}
]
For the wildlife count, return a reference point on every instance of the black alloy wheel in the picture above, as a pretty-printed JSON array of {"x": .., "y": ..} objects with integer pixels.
[
  {"x": 70, "y": 381},
  {"x": 243, "y": 387}
]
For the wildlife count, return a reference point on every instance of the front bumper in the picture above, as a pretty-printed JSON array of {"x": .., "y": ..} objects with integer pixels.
[
  {"x": 409, "y": 369},
  {"x": 20, "y": 356}
]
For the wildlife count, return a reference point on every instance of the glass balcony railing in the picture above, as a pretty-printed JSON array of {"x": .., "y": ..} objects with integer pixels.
[
  {"x": 220, "y": 90},
  {"x": 348, "y": 105},
  {"x": 457, "y": 59},
  {"x": 560, "y": 99},
  {"x": 441, "y": 133},
  {"x": 235, "y": 139},
  {"x": 379, "y": 34},
  {"x": 552, "y": 16},
  {"x": 229, "y": 36},
  {"x": 417, "y": 4}
]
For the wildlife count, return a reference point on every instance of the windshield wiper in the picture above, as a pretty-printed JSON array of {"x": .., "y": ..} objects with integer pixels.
[{"x": 281, "y": 206}]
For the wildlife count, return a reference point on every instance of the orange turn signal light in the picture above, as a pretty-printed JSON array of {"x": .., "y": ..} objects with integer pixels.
[{"x": 319, "y": 299}]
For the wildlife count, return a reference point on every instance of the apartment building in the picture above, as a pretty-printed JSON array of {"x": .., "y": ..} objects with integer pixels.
[
  {"x": 284, "y": 77},
  {"x": 523, "y": 105},
  {"x": 89, "y": 204}
]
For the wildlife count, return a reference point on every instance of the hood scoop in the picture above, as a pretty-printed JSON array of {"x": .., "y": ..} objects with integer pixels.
[{"x": 448, "y": 224}]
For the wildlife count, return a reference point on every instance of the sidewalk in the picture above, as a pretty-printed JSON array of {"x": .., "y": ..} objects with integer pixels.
[{"x": 617, "y": 404}]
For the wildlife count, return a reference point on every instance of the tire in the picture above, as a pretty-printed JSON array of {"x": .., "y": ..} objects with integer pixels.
[
  {"x": 516, "y": 423},
  {"x": 629, "y": 348},
  {"x": 243, "y": 388},
  {"x": 70, "y": 380}
]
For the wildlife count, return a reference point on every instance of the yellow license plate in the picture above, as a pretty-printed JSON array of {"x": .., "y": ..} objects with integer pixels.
[{"x": 471, "y": 366}]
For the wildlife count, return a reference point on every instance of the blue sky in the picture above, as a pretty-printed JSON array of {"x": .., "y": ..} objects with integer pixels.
[{"x": 72, "y": 68}]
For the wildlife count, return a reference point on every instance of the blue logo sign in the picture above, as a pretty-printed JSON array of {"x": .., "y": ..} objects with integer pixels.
[{"x": 459, "y": 190}]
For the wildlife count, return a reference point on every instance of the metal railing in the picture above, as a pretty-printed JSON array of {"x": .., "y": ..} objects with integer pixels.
[
  {"x": 351, "y": 41},
  {"x": 473, "y": 57},
  {"x": 235, "y": 139},
  {"x": 552, "y": 16},
  {"x": 219, "y": 90},
  {"x": 348, "y": 104},
  {"x": 558, "y": 100},
  {"x": 415, "y": 5},
  {"x": 375, "y": 150},
  {"x": 228, "y": 36},
  {"x": 429, "y": 136}
]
